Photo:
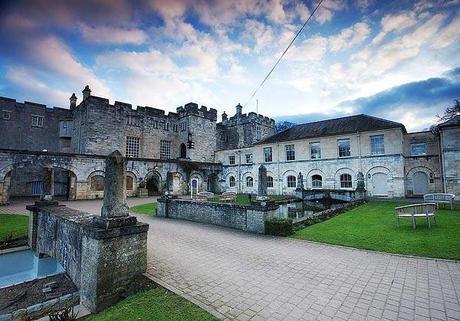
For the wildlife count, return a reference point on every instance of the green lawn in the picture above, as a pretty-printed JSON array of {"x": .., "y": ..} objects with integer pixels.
[
  {"x": 156, "y": 304},
  {"x": 373, "y": 226},
  {"x": 13, "y": 227},
  {"x": 149, "y": 209}
]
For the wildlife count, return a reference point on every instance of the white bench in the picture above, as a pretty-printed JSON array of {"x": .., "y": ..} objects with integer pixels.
[
  {"x": 203, "y": 196},
  {"x": 228, "y": 196},
  {"x": 437, "y": 198},
  {"x": 413, "y": 211}
]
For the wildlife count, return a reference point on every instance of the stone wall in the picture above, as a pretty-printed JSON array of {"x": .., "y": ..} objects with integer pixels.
[
  {"x": 450, "y": 149},
  {"x": 101, "y": 262},
  {"x": 250, "y": 218}
]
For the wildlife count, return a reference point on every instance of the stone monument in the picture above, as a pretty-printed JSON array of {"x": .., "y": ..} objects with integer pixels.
[
  {"x": 360, "y": 187},
  {"x": 300, "y": 182},
  {"x": 115, "y": 211},
  {"x": 262, "y": 184},
  {"x": 48, "y": 183}
]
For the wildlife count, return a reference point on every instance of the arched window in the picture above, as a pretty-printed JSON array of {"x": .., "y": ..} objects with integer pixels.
[
  {"x": 183, "y": 151},
  {"x": 345, "y": 181},
  {"x": 249, "y": 181},
  {"x": 97, "y": 183},
  {"x": 231, "y": 181},
  {"x": 269, "y": 181},
  {"x": 291, "y": 181},
  {"x": 129, "y": 183},
  {"x": 316, "y": 181}
]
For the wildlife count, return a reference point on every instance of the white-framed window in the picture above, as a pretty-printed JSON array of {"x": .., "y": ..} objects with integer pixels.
[
  {"x": 231, "y": 181},
  {"x": 248, "y": 158},
  {"x": 37, "y": 121},
  {"x": 315, "y": 150},
  {"x": 418, "y": 149},
  {"x": 291, "y": 181},
  {"x": 165, "y": 149},
  {"x": 344, "y": 147},
  {"x": 269, "y": 181},
  {"x": 377, "y": 145},
  {"x": 268, "y": 154},
  {"x": 132, "y": 146},
  {"x": 249, "y": 181},
  {"x": 6, "y": 114},
  {"x": 290, "y": 152},
  {"x": 231, "y": 160},
  {"x": 345, "y": 181},
  {"x": 258, "y": 133},
  {"x": 317, "y": 181}
]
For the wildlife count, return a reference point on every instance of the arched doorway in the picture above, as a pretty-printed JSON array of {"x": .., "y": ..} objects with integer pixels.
[
  {"x": 183, "y": 151},
  {"x": 212, "y": 183},
  {"x": 152, "y": 184},
  {"x": 420, "y": 182},
  {"x": 65, "y": 182}
]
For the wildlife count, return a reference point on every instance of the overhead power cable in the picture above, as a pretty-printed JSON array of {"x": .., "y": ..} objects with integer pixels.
[{"x": 284, "y": 52}]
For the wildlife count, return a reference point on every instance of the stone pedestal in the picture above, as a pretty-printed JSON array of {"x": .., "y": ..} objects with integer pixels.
[{"x": 262, "y": 184}]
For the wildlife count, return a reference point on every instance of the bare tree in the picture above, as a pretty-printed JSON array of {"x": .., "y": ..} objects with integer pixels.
[{"x": 450, "y": 112}]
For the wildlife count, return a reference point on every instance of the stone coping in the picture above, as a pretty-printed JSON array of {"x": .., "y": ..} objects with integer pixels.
[
  {"x": 88, "y": 222},
  {"x": 255, "y": 206}
]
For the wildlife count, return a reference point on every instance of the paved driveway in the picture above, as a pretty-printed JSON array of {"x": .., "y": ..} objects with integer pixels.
[{"x": 241, "y": 276}]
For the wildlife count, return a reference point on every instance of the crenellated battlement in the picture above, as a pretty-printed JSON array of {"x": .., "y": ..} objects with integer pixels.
[
  {"x": 193, "y": 109},
  {"x": 248, "y": 118}
]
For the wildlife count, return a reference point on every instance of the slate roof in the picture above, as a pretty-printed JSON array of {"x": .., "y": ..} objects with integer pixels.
[
  {"x": 330, "y": 127},
  {"x": 453, "y": 122}
]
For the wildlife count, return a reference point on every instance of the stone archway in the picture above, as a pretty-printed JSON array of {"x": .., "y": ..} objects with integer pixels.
[{"x": 153, "y": 184}]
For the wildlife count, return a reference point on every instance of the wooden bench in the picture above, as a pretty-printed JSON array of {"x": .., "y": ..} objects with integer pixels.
[
  {"x": 438, "y": 198},
  {"x": 413, "y": 211},
  {"x": 228, "y": 197}
]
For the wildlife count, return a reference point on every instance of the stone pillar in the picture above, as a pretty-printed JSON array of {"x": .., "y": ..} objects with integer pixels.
[
  {"x": 48, "y": 184},
  {"x": 360, "y": 192},
  {"x": 262, "y": 184},
  {"x": 115, "y": 211},
  {"x": 300, "y": 181}
]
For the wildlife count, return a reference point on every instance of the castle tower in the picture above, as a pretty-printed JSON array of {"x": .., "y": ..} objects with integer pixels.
[
  {"x": 73, "y": 101},
  {"x": 239, "y": 110},
  {"x": 86, "y": 92}
]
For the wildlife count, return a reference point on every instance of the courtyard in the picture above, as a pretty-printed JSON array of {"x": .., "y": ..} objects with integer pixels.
[{"x": 241, "y": 276}]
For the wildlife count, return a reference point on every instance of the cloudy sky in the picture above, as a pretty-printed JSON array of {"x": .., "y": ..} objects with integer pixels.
[{"x": 395, "y": 59}]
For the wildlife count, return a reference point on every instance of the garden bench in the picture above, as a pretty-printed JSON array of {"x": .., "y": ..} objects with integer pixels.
[
  {"x": 228, "y": 196},
  {"x": 413, "y": 211},
  {"x": 203, "y": 196},
  {"x": 437, "y": 198}
]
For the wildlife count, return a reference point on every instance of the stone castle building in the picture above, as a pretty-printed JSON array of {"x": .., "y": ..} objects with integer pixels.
[{"x": 189, "y": 149}]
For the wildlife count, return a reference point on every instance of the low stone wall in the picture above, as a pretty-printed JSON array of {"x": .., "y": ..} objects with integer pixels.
[
  {"x": 250, "y": 218},
  {"x": 101, "y": 262}
]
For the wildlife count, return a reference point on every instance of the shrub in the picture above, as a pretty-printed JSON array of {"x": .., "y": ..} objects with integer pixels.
[{"x": 278, "y": 227}]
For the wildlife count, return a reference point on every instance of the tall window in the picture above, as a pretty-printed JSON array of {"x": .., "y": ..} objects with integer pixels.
[
  {"x": 344, "y": 147},
  {"x": 248, "y": 158},
  {"x": 290, "y": 152},
  {"x": 268, "y": 156},
  {"x": 165, "y": 149},
  {"x": 231, "y": 159},
  {"x": 345, "y": 181},
  {"x": 269, "y": 181},
  {"x": 315, "y": 150},
  {"x": 291, "y": 181},
  {"x": 249, "y": 181},
  {"x": 37, "y": 121},
  {"x": 377, "y": 145},
  {"x": 418, "y": 149},
  {"x": 258, "y": 133},
  {"x": 132, "y": 146},
  {"x": 316, "y": 181},
  {"x": 166, "y": 126},
  {"x": 231, "y": 181}
]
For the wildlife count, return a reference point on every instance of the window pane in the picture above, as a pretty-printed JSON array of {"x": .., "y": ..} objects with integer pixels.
[
  {"x": 132, "y": 146},
  {"x": 377, "y": 145},
  {"x": 345, "y": 181},
  {"x": 316, "y": 181},
  {"x": 249, "y": 158},
  {"x": 231, "y": 160},
  {"x": 267, "y": 154},
  {"x": 418, "y": 149},
  {"x": 291, "y": 181},
  {"x": 344, "y": 147},
  {"x": 165, "y": 149},
  {"x": 249, "y": 182},
  {"x": 269, "y": 181},
  {"x": 290, "y": 152},
  {"x": 315, "y": 150},
  {"x": 232, "y": 181}
]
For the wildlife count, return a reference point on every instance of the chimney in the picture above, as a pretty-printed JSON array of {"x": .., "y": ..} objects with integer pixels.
[
  {"x": 239, "y": 110},
  {"x": 73, "y": 101},
  {"x": 224, "y": 116},
  {"x": 86, "y": 92}
]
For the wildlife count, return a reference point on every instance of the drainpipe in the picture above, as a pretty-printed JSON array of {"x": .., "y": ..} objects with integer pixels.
[
  {"x": 280, "y": 181},
  {"x": 441, "y": 159}
]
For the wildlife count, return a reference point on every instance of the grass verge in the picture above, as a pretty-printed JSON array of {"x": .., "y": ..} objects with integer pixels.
[
  {"x": 13, "y": 227},
  {"x": 373, "y": 226},
  {"x": 149, "y": 209}
]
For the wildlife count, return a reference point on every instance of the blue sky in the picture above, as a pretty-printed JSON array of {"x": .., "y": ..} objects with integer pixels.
[{"x": 393, "y": 59}]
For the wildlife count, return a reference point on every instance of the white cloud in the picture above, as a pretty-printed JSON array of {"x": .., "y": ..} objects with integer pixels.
[
  {"x": 395, "y": 22},
  {"x": 312, "y": 49},
  {"x": 113, "y": 35},
  {"x": 448, "y": 35},
  {"x": 327, "y": 10},
  {"x": 349, "y": 37}
]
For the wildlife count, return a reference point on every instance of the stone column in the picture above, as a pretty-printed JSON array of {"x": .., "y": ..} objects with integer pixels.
[
  {"x": 262, "y": 184},
  {"x": 300, "y": 181},
  {"x": 115, "y": 211},
  {"x": 48, "y": 183}
]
